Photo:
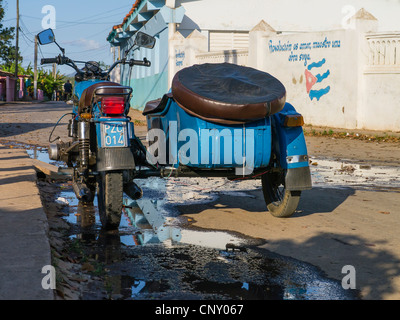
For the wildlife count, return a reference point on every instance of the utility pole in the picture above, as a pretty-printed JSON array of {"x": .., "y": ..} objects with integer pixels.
[
  {"x": 54, "y": 77},
  {"x": 16, "y": 55},
  {"x": 35, "y": 73}
]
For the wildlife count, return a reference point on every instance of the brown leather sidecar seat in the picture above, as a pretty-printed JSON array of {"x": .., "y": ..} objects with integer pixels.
[{"x": 227, "y": 93}]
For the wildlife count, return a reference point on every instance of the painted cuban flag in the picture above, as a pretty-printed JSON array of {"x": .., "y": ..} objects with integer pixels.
[{"x": 311, "y": 80}]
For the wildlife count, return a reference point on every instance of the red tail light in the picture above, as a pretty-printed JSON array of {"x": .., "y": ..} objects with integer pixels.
[{"x": 113, "y": 105}]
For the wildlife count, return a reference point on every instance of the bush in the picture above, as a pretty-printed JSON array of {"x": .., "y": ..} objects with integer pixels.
[{"x": 48, "y": 83}]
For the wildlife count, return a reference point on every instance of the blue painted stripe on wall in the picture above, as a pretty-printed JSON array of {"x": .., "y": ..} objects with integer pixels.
[{"x": 316, "y": 64}]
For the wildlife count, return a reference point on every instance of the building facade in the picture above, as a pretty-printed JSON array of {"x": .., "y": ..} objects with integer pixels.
[
  {"x": 8, "y": 83},
  {"x": 340, "y": 66}
]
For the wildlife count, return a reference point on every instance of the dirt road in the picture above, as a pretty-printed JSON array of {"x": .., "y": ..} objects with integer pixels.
[{"x": 350, "y": 217}]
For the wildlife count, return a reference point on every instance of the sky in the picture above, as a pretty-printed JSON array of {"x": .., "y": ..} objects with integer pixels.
[{"x": 81, "y": 27}]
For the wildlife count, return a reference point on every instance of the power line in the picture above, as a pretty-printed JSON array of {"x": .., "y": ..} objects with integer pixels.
[
  {"x": 103, "y": 13},
  {"x": 41, "y": 53},
  {"x": 97, "y": 33},
  {"x": 82, "y": 51},
  {"x": 95, "y": 51},
  {"x": 26, "y": 39},
  {"x": 25, "y": 30},
  {"x": 76, "y": 23},
  {"x": 86, "y": 20},
  {"x": 25, "y": 36},
  {"x": 25, "y": 27},
  {"x": 9, "y": 19},
  {"x": 71, "y": 22}
]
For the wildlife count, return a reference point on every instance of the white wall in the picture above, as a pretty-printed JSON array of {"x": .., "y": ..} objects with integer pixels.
[
  {"x": 381, "y": 107},
  {"x": 318, "y": 70},
  {"x": 343, "y": 78},
  {"x": 359, "y": 73}
]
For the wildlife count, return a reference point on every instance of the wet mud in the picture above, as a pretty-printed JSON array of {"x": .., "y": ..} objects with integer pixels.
[{"x": 131, "y": 263}]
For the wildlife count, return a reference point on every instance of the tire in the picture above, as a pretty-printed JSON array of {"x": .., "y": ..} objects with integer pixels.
[
  {"x": 109, "y": 198},
  {"x": 280, "y": 202}
]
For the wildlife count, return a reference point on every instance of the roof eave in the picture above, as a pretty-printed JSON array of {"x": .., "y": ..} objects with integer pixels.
[{"x": 140, "y": 15}]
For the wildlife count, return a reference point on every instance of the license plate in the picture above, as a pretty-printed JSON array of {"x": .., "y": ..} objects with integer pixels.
[{"x": 113, "y": 134}]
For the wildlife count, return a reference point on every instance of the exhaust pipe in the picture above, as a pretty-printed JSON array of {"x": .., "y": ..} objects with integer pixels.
[
  {"x": 82, "y": 192},
  {"x": 133, "y": 191},
  {"x": 54, "y": 151}
]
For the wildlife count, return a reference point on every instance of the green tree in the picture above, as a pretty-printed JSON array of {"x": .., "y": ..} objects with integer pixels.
[
  {"x": 21, "y": 70},
  {"x": 48, "y": 83},
  {"x": 103, "y": 65},
  {"x": 7, "y": 50}
]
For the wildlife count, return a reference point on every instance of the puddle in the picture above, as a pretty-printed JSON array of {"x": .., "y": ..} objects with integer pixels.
[
  {"x": 39, "y": 153},
  {"x": 340, "y": 174},
  {"x": 34, "y": 152},
  {"x": 202, "y": 265},
  {"x": 210, "y": 239},
  {"x": 193, "y": 272},
  {"x": 134, "y": 229}
]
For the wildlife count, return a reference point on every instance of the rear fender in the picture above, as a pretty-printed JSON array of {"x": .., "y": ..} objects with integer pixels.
[{"x": 289, "y": 147}]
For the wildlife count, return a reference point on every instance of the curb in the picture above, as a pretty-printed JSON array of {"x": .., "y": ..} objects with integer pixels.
[{"x": 24, "y": 243}]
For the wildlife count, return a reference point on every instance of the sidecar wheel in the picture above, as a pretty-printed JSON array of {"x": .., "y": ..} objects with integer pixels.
[
  {"x": 109, "y": 198},
  {"x": 280, "y": 202}
]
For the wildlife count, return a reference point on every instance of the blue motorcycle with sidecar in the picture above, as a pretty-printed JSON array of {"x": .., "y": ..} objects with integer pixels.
[{"x": 218, "y": 120}]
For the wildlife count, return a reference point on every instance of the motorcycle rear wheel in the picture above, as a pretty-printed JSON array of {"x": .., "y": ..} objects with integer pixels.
[
  {"x": 109, "y": 198},
  {"x": 280, "y": 202}
]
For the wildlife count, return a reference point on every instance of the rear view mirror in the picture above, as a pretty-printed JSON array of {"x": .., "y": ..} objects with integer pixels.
[
  {"x": 46, "y": 36},
  {"x": 144, "y": 40}
]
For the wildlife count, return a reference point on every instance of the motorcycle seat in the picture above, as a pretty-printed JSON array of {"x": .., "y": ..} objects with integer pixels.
[
  {"x": 87, "y": 96},
  {"x": 227, "y": 93},
  {"x": 158, "y": 105}
]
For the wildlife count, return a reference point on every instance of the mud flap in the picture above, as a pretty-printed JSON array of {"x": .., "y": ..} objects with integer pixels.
[
  {"x": 298, "y": 179},
  {"x": 115, "y": 159}
]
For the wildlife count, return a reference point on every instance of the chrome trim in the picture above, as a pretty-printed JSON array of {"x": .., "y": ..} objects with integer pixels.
[
  {"x": 297, "y": 158},
  {"x": 113, "y": 87}
]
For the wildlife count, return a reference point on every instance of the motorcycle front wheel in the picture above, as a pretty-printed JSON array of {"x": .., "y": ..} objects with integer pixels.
[
  {"x": 280, "y": 202},
  {"x": 109, "y": 198}
]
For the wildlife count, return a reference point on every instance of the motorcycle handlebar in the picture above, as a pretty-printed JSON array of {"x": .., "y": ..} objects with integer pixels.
[
  {"x": 61, "y": 60},
  {"x": 64, "y": 60},
  {"x": 144, "y": 62},
  {"x": 48, "y": 60},
  {"x": 131, "y": 63}
]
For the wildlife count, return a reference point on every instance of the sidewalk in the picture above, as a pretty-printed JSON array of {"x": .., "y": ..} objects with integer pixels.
[{"x": 24, "y": 245}]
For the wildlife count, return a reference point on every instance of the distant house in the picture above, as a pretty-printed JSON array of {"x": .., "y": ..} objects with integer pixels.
[{"x": 7, "y": 86}]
